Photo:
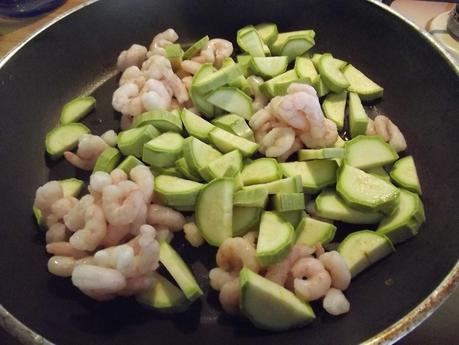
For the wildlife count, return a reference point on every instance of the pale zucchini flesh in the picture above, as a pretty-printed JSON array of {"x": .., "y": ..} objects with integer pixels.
[
  {"x": 262, "y": 170},
  {"x": 175, "y": 191},
  {"x": 366, "y": 152},
  {"x": 64, "y": 138},
  {"x": 315, "y": 174},
  {"x": 76, "y": 109},
  {"x": 313, "y": 231},
  {"x": 405, "y": 175}
]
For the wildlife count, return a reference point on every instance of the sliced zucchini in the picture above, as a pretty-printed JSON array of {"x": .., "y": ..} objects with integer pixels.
[
  {"x": 379, "y": 172},
  {"x": 252, "y": 197},
  {"x": 275, "y": 238},
  {"x": 278, "y": 86},
  {"x": 261, "y": 170},
  {"x": 293, "y": 44},
  {"x": 361, "y": 249},
  {"x": 358, "y": 119},
  {"x": 195, "y": 48},
  {"x": 284, "y": 202},
  {"x": 331, "y": 75},
  {"x": 198, "y": 154},
  {"x": 76, "y": 109},
  {"x": 174, "y": 53},
  {"x": 214, "y": 211},
  {"x": 267, "y": 32},
  {"x": 108, "y": 160},
  {"x": 217, "y": 79},
  {"x": 171, "y": 171},
  {"x": 64, "y": 138},
  {"x": 321, "y": 88},
  {"x": 315, "y": 175},
  {"x": 249, "y": 41},
  {"x": 269, "y": 67},
  {"x": 366, "y": 152},
  {"x": 240, "y": 82},
  {"x": 334, "y": 106},
  {"x": 234, "y": 124},
  {"x": 175, "y": 191},
  {"x": 128, "y": 163},
  {"x": 227, "y": 165},
  {"x": 329, "y": 204},
  {"x": 226, "y": 142},
  {"x": 361, "y": 84},
  {"x": 292, "y": 217},
  {"x": 179, "y": 271},
  {"x": 339, "y": 64},
  {"x": 198, "y": 98},
  {"x": 162, "y": 120},
  {"x": 325, "y": 153},
  {"x": 183, "y": 167},
  {"x": 244, "y": 64},
  {"x": 131, "y": 141},
  {"x": 313, "y": 231},
  {"x": 232, "y": 100},
  {"x": 245, "y": 219},
  {"x": 164, "y": 150},
  {"x": 195, "y": 125},
  {"x": 405, "y": 175},
  {"x": 71, "y": 187},
  {"x": 305, "y": 70}
]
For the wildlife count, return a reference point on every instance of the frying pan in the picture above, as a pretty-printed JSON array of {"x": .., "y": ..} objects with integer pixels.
[{"x": 76, "y": 56}]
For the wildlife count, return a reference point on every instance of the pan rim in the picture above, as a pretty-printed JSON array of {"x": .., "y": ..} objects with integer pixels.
[{"x": 392, "y": 333}]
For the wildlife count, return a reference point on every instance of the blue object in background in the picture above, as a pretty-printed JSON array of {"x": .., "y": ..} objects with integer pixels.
[{"x": 27, "y": 8}]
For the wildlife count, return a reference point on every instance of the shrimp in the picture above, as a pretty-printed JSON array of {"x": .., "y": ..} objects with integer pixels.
[
  {"x": 65, "y": 249},
  {"x": 192, "y": 234},
  {"x": 63, "y": 206},
  {"x": 206, "y": 55},
  {"x": 121, "y": 202},
  {"x": 318, "y": 280},
  {"x": 137, "y": 285},
  {"x": 133, "y": 56},
  {"x": 251, "y": 237},
  {"x": 126, "y": 99},
  {"x": 337, "y": 267},
  {"x": 56, "y": 233},
  {"x": 236, "y": 252},
  {"x": 97, "y": 282},
  {"x": 278, "y": 141},
  {"x": 260, "y": 100},
  {"x": 90, "y": 147},
  {"x": 221, "y": 49},
  {"x": 230, "y": 295},
  {"x": 278, "y": 272},
  {"x": 335, "y": 303},
  {"x": 126, "y": 121},
  {"x": 136, "y": 258},
  {"x": 260, "y": 118},
  {"x": 95, "y": 228},
  {"x": 61, "y": 266},
  {"x": 47, "y": 195},
  {"x": 297, "y": 145},
  {"x": 134, "y": 75},
  {"x": 139, "y": 220},
  {"x": 187, "y": 82},
  {"x": 190, "y": 66},
  {"x": 143, "y": 177},
  {"x": 98, "y": 181},
  {"x": 75, "y": 218},
  {"x": 164, "y": 234},
  {"x": 219, "y": 277},
  {"x": 162, "y": 215},
  {"x": 114, "y": 235},
  {"x": 162, "y": 40},
  {"x": 110, "y": 137},
  {"x": 385, "y": 128},
  {"x": 118, "y": 176},
  {"x": 155, "y": 96}
]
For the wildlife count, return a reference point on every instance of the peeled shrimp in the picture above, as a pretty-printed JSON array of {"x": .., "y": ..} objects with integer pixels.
[
  {"x": 63, "y": 206},
  {"x": 126, "y": 99},
  {"x": 93, "y": 232},
  {"x": 385, "y": 128},
  {"x": 168, "y": 217},
  {"x": 230, "y": 295},
  {"x": 190, "y": 66},
  {"x": 89, "y": 149},
  {"x": 335, "y": 303},
  {"x": 99, "y": 180},
  {"x": 110, "y": 137},
  {"x": 192, "y": 234},
  {"x": 260, "y": 100},
  {"x": 114, "y": 234},
  {"x": 143, "y": 177},
  {"x": 260, "y": 118},
  {"x": 318, "y": 279},
  {"x": 164, "y": 234},
  {"x": 137, "y": 285},
  {"x": 47, "y": 195},
  {"x": 134, "y": 75},
  {"x": 61, "y": 266},
  {"x": 56, "y": 233},
  {"x": 162, "y": 40},
  {"x": 278, "y": 141},
  {"x": 65, "y": 249},
  {"x": 133, "y": 56},
  {"x": 139, "y": 220},
  {"x": 278, "y": 272},
  {"x": 155, "y": 96},
  {"x": 126, "y": 121},
  {"x": 121, "y": 202},
  {"x": 75, "y": 218},
  {"x": 118, "y": 176},
  {"x": 251, "y": 237},
  {"x": 187, "y": 82},
  {"x": 206, "y": 55},
  {"x": 221, "y": 49},
  {"x": 297, "y": 145},
  {"x": 219, "y": 277},
  {"x": 339, "y": 272},
  {"x": 236, "y": 252}
]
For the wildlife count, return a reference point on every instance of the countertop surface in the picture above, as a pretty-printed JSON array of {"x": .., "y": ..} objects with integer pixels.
[{"x": 439, "y": 329}]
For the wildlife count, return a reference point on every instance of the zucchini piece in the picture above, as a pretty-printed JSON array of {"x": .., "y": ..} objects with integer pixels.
[
  {"x": 293, "y": 44},
  {"x": 267, "y": 32},
  {"x": 195, "y": 48},
  {"x": 275, "y": 238},
  {"x": 128, "y": 163},
  {"x": 366, "y": 152},
  {"x": 278, "y": 85},
  {"x": 361, "y": 249},
  {"x": 240, "y": 82},
  {"x": 245, "y": 219},
  {"x": 315, "y": 175},
  {"x": 261, "y": 170},
  {"x": 329, "y": 205},
  {"x": 405, "y": 175},
  {"x": 179, "y": 271},
  {"x": 364, "y": 191},
  {"x": 64, "y": 138},
  {"x": 287, "y": 185},
  {"x": 325, "y": 153},
  {"x": 321, "y": 88},
  {"x": 379, "y": 172},
  {"x": 360, "y": 84},
  {"x": 249, "y": 41},
  {"x": 108, "y": 160},
  {"x": 292, "y": 217},
  {"x": 404, "y": 222},
  {"x": 358, "y": 119},
  {"x": 175, "y": 191},
  {"x": 305, "y": 70},
  {"x": 313, "y": 231},
  {"x": 217, "y": 79},
  {"x": 164, "y": 150},
  {"x": 234, "y": 124},
  {"x": 232, "y": 100},
  {"x": 131, "y": 141},
  {"x": 76, "y": 109},
  {"x": 284, "y": 202},
  {"x": 198, "y": 154},
  {"x": 227, "y": 165},
  {"x": 162, "y": 120},
  {"x": 163, "y": 296},
  {"x": 226, "y": 142},
  {"x": 195, "y": 125},
  {"x": 198, "y": 98},
  {"x": 339, "y": 142},
  {"x": 269, "y": 305},
  {"x": 340, "y": 64},
  {"x": 334, "y": 106},
  {"x": 269, "y": 67},
  {"x": 214, "y": 211},
  {"x": 174, "y": 53},
  {"x": 183, "y": 167},
  {"x": 244, "y": 64},
  {"x": 39, "y": 219},
  {"x": 252, "y": 197},
  {"x": 71, "y": 187},
  {"x": 171, "y": 171},
  {"x": 331, "y": 75}
]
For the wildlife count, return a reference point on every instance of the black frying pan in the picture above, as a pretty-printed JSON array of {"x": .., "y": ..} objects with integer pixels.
[{"x": 76, "y": 56}]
